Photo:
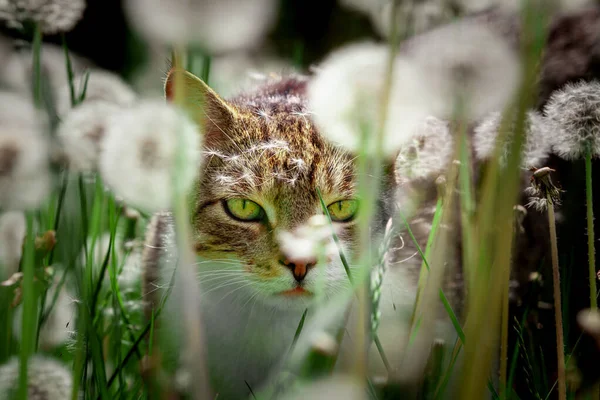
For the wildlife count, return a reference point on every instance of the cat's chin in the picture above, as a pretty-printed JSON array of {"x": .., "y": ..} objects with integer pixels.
[{"x": 292, "y": 299}]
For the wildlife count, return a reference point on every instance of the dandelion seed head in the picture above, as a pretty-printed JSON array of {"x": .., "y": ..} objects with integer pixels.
[
  {"x": 345, "y": 98},
  {"x": 12, "y": 233},
  {"x": 536, "y": 148},
  {"x": 140, "y": 151},
  {"x": 468, "y": 63},
  {"x": 57, "y": 329},
  {"x": 219, "y": 26},
  {"x": 18, "y": 69},
  {"x": 589, "y": 320},
  {"x": 423, "y": 15},
  {"x": 81, "y": 133},
  {"x": 53, "y": 16},
  {"x": 101, "y": 86},
  {"x": 17, "y": 111},
  {"x": 47, "y": 379},
  {"x": 25, "y": 179},
  {"x": 428, "y": 152},
  {"x": 574, "y": 115}
]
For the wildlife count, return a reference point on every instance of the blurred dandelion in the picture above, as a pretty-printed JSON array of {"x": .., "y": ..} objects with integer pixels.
[
  {"x": 345, "y": 96},
  {"x": 12, "y": 234},
  {"x": 140, "y": 150},
  {"x": 101, "y": 86},
  {"x": 18, "y": 111},
  {"x": 427, "y": 153},
  {"x": 18, "y": 69},
  {"x": 335, "y": 387},
  {"x": 413, "y": 17},
  {"x": 53, "y": 16},
  {"x": 240, "y": 71},
  {"x": 59, "y": 325},
  {"x": 308, "y": 241},
  {"x": 535, "y": 150},
  {"x": 48, "y": 379},
  {"x": 218, "y": 26},
  {"x": 466, "y": 65},
  {"x": 81, "y": 132},
  {"x": 25, "y": 179}
]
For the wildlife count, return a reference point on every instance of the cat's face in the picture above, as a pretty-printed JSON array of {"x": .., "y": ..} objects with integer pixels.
[{"x": 264, "y": 161}]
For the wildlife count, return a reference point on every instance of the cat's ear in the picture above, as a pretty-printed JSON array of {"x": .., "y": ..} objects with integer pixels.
[{"x": 204, "y": 105}]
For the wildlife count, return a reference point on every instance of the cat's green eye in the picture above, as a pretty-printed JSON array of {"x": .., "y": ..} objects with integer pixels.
[
  {"x": 244, "y": 210},
  {"x": 343, "y": 210}
]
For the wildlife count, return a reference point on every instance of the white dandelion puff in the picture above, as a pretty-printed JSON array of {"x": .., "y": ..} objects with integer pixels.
[
  {"x": 101, "y": 86},
  {"x": 418, "y": 16},
  {"x": 18, "y": 69},
  {"x": 131, "y": 272},
  {"x": 428, "y": 152},
  {"x": 59, "y": 326},
  {"x": 242, "y": 71},
  {"x": 536, "y": 148},
  {"x": 47, "y": 379},
  {"x": 25, "y": 178},
  {"x": 473, "y": 6},
  {"x": 574, "y": 114},
  {"x": 346, "y": 93},
  {"x": 308, "y": 241},
  {"x": 17, "y": 110},
  {"x": 218, "y": 26},
  {"x": 464, "y": 62},
  {"x": 140, "y": 150},
  {"x": 334, "y": 387},
  {"x": 53, "y": 16},
  {"x": 12, "y": 233},
  {"x": 81, "y": 133}
]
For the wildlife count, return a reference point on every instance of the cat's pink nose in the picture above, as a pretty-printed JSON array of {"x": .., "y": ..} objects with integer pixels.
[{"x": 299, "y": 268}]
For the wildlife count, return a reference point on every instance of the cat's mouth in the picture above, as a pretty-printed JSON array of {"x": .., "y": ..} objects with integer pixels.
[{"x": 297, "y": 291}]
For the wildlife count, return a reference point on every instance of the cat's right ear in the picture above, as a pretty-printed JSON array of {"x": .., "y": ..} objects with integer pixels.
[{"x": 204, "y": 105}]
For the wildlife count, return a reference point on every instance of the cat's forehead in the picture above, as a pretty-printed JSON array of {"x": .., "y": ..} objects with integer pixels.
[{"x": 272, "y": 148}]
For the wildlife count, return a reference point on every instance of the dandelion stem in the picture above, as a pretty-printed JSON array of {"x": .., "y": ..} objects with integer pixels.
[
  {"x": 560, "y": 354},
  {"x": 29, "y": 307},
  {"x": 591, "y": 249},
  {"x": 590, "y": 228}
]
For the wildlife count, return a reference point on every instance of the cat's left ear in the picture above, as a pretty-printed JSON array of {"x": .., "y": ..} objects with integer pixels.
[{"x": 205, "y": 106}]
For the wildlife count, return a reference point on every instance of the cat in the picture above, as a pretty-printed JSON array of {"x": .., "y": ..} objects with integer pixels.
[{"x": 264, "y": 160}]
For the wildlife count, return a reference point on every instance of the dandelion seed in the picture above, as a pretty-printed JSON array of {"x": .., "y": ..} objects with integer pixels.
[
  {"x": 140, "y": 151},
  {"x": 57, "y": 329},
  {"x": 428, "y": 153},
  {"x": 464, "y": 64},
  {"x": 535, "y": 150},
  {"x": 12, "y": 233},
  {"x": 82, "y": 131},
  {"x": 47, "y": 379},
  {"x": 53, "y": 16},
  {"x": 345, "y": 98},
  {"x": 574, "y": 115},
  {"x": 218, "y": 26},
  {"x": 101, "y": 86},
  {"x": 25, "y": 179}
]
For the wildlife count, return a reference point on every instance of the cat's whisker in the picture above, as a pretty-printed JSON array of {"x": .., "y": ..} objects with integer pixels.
[
  {"x": 228, "y": 283},
  {"x": 234, "y": 290}
]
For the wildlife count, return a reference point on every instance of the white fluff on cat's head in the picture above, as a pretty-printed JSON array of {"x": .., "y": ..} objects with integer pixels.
[{"x": 142, "y": 148}]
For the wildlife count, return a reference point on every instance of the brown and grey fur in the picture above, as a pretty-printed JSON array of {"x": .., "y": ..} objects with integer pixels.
[{"x": 263, "y": 146}]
